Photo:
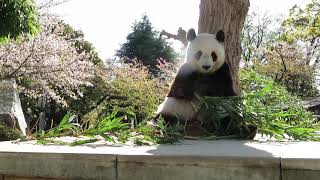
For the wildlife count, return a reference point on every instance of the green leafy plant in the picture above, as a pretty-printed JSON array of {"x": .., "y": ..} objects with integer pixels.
[
  {"x": 161, "y": 133},
  {"x": 132, "y": 92},
  {"x": 66, "y": 127},
  {"x": 18, "y": 17},
  {"x": 279, "y": 112},
  {"x": 85, "y": 141},
  {"x": 113, "y": 129},
  {"x": 109, "y": 127},
  {"x": 224, "y": 116},
  {"x": 264, "y": 105}
]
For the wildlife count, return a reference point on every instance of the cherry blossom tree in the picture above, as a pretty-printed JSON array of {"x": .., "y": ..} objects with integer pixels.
[{"x": 48, "y": 63}]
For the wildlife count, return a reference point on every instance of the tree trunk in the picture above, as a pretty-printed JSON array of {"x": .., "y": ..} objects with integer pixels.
[{"x": 229, "y": 16}]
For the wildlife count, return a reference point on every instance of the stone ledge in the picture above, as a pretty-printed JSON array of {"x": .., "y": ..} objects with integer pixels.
[
  {"x": 53, "y": 165},
  {"x": 185, "y": 168},
  {"x": 224, "y": 159},
  {"x": 300, "y": 168}
]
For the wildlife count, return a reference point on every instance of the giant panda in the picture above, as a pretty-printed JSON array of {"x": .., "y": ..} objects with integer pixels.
[{"x": 203, "y": 73}]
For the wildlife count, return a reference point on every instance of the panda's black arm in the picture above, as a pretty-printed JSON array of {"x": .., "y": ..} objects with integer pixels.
[
  {"x": 182, "y": 85},
  {"x": 181, "y": 88},
  {"x": 228, "y": 90}
]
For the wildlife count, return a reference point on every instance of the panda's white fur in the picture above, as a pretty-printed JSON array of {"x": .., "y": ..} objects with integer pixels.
[
  {"x": 206, "y": 43},
  {"x": 181, "y": 108}
]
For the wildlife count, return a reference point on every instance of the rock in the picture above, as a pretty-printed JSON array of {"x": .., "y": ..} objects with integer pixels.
[
  {"x": 10, "y": 106},
  {"x": 312, "y": 104}
]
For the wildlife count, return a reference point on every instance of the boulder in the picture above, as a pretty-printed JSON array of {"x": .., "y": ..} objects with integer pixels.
[{"x": 10, "y": 106}]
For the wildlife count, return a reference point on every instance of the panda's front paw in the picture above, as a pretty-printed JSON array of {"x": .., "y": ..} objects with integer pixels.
[{"x": 154, "y": 121}]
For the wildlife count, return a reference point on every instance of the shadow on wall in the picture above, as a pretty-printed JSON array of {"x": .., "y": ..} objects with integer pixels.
[
  {"x": 219, "y": 148},
  {"x": 214, "y": 160}
]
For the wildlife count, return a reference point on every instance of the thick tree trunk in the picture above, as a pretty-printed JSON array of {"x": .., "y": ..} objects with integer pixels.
[{"x": 229, "y": 16}]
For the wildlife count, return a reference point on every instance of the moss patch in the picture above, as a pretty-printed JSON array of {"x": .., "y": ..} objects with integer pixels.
[{"x": 7, "y": 134}]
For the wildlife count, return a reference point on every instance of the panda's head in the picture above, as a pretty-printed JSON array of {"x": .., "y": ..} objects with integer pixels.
[{"x": 205, "y": 52}]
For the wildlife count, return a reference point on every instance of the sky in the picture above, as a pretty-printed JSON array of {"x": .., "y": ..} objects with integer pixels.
[{"x": 107, "y": 23}]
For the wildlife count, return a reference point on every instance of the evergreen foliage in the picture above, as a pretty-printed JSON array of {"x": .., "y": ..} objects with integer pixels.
[{"x": 145, "y": 45}]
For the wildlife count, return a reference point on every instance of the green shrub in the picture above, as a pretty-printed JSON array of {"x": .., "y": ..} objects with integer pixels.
[
  {"x": 131, "y": 92},
  {"x": 274, "y": 110},
  {"x": 263, "y": 95},
  {"x": 18, "y": 17},
  {"x": 7, "y": 134},
  {"x": 264, "y": 106}
]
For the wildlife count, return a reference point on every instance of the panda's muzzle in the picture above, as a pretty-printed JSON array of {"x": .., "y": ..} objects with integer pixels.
[{"x": 206, "y": 67}]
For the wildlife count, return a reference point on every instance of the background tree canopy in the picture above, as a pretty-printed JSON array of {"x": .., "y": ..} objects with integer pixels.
[
  {"x": 144, "y": 44},
  {"x": 18, "y": 17},
  {"x": 285, "y": 49},
  {"x": 80, "y": 43},
  {"x": 303, "y": 24}
]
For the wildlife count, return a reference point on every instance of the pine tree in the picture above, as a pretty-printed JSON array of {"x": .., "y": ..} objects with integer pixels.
[{"x": 145, "y": 45}]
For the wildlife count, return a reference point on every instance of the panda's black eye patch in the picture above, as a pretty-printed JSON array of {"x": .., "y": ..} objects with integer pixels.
[
  {"x": 214, "y": 56},
  {"x": 198, "y": 55}
]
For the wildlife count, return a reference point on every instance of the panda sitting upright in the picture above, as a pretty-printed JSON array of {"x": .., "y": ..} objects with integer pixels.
[{"x": 204, "y": 73}]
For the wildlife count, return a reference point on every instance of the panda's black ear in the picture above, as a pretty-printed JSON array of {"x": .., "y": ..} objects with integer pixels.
[
  {"x": 220, "y": 36},
  {"x": 191, "y": 34}
]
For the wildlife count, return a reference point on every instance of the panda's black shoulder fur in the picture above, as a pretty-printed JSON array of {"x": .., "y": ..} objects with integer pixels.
[
  {"x": 181, "y": 87},
  {"x": 217, "y": 84}
]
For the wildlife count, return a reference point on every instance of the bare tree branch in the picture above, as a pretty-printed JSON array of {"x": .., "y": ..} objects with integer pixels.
[
  {"x": 180, "y": 36},
  {"x": 278, "y": 51},
  {"x": 50, "y": 3}
]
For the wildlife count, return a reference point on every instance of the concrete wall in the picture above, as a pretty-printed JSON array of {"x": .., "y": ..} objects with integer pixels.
[
  {"x": 37, "y": 166},
  {"x": 191, "y": 160},
  {"x": 22, "y": 178},
  {"x": 76, "y": 166},
  {"x": 59, "y": 166}
]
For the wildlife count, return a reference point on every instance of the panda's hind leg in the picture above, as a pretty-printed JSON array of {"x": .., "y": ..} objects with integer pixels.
[{"x": 175, "y": 110}]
